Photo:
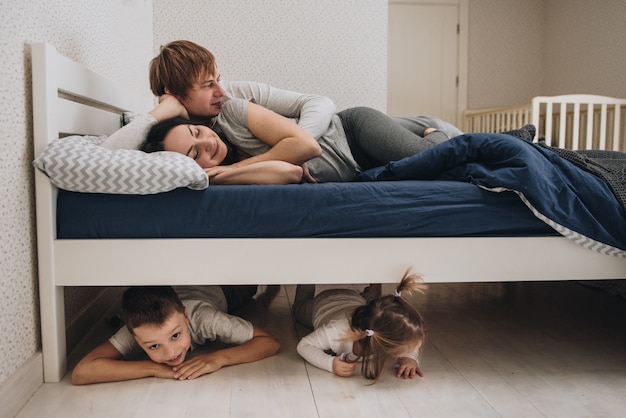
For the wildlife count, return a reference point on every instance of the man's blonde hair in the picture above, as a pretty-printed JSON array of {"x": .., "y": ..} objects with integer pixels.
[{"x": 178, "y": 66}]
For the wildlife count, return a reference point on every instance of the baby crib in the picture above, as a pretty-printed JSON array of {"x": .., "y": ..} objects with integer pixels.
[{"x": 574, "y": 121}]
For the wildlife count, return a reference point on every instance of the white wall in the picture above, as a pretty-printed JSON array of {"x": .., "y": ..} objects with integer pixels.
[
  {"x": 112, "y": 37},
  {"x": 329, "y": 47},
  {"x": 585, "y": 47},
  {"x": 521, "y": 49},
  {"x": 505, "y": 52}
]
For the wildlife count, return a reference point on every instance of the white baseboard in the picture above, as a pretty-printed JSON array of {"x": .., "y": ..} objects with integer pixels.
[{"x": 21, "y": 385}]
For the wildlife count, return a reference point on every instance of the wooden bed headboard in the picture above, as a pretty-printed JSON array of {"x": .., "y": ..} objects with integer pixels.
[{"x": 70, "y": 99}]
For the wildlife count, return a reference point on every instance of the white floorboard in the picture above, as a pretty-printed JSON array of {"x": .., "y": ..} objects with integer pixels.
[{"x": 540, "y": 349}]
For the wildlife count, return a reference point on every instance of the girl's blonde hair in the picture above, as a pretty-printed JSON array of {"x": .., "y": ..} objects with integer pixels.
[
  {"x": 178, "y": 66},
  {"x": 386, "y": 326}
]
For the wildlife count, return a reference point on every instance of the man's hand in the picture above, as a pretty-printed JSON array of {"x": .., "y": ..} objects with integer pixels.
[{"x": 306, "y": 174}]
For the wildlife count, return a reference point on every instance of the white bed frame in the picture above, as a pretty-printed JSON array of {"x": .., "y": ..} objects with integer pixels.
[{"x": 70, "y": 99}]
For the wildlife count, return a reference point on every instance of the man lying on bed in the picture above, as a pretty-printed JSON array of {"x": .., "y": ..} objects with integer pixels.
[
  {"x": 166, "y": 323},
  {"x": 180, "y": 62},
  {"x": 187, "y": 72}
]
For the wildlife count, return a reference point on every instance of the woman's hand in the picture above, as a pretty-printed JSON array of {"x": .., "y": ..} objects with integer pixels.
[{"x": 263, "y": 172}]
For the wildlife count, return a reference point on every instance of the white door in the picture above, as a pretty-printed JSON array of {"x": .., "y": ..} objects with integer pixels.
[{"x": 423, "y": 59}]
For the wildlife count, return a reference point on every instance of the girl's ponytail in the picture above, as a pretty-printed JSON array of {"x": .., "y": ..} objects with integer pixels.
[{"x": 410, "y": 283}]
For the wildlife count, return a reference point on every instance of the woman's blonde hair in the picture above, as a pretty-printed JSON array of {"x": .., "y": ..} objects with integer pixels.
[
  {"x": 386, "y": 326},
  {"x": 178, "y": 66}
]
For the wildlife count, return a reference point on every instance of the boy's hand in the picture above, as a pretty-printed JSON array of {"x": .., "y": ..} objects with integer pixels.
[
  {"x": 342, "y": 368},
  {"x": 407, "y": 368},
  {"x": 196, "y": 367},
  {"x": 163, "y": 371}
]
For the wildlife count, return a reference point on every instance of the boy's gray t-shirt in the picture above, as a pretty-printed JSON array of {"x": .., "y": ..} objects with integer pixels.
[{"x": 208, "y": 321}]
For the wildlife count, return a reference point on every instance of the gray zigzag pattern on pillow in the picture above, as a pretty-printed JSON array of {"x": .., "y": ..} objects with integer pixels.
[{"x": 79, "y": 164}]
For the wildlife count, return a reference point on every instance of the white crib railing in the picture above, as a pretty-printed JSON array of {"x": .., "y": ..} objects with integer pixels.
[
  {"x": 578, "y": 121},
  {"x": 581, "y": 121},
  {"x": 496, "y": 119}
]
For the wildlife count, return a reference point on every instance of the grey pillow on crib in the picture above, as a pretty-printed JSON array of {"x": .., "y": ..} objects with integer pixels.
[{"x": 80, "y": 164}]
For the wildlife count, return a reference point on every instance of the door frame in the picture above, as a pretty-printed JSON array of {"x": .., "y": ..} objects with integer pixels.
[{"x": 462, "y": 70}]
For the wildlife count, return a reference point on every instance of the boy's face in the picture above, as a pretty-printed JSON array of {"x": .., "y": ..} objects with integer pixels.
[
  {"x": 167, "y": 343},
  {"x": 205, "y": 98}
]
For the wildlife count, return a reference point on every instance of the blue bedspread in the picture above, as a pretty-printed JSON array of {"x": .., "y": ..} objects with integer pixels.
[{"x": 576, "y": 203}]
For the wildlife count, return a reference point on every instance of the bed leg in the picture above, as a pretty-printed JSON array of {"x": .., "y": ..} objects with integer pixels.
[{"x": 52, "y": 305}]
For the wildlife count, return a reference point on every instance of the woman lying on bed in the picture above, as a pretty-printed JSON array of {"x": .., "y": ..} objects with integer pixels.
[
  {"x": 253, "y": 135},
  {"x": 357, "y": 139},
  {"x": 291, "y": 146}
]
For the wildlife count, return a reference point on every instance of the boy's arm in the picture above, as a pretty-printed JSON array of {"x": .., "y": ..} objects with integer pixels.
[
  {"x": 313, "y": 112},
  {"x": 261, "y": 345},
  {"x": 104, "y": 364}
]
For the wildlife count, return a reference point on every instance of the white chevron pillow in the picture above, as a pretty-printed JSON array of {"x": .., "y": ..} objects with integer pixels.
[{"x": 80, "y": 164}]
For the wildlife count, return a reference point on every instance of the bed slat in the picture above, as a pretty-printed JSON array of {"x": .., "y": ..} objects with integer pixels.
[{"x": 82, "y": 119}]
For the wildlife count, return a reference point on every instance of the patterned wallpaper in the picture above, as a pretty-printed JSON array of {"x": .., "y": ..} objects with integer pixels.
[
  {"x": 329, "y": 47},
  {"x": 521, "y": 49},
  {"x": 97, "y": 34},
  {"x": 585, "y": 48},
  {"x": 505, "y": 44}
]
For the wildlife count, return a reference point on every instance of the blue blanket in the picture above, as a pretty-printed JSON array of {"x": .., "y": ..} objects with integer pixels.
[{"x": 576, "y": 203}]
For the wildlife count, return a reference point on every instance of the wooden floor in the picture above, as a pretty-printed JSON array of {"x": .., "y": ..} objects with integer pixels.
[{"x": 512, "y": 350}]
